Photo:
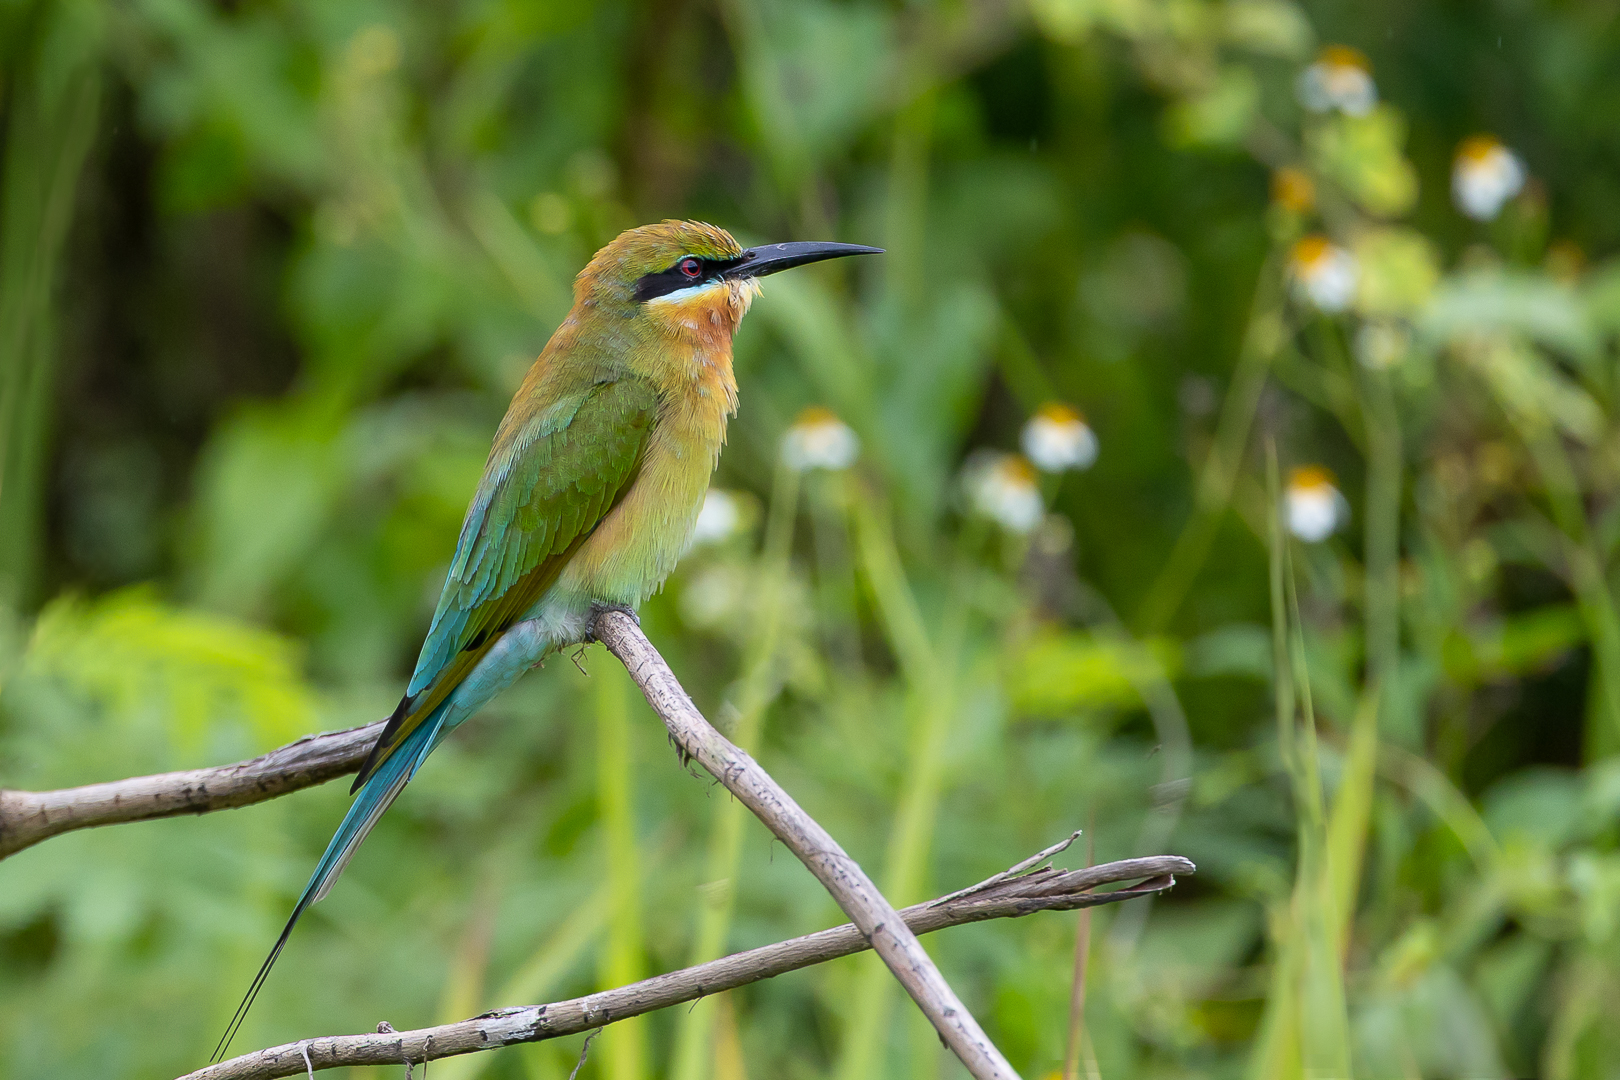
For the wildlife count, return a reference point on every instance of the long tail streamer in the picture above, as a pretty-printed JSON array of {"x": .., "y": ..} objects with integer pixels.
[{"x": 378, "y": 793}]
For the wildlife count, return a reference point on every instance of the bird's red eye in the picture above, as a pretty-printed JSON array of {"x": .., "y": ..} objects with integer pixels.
[{"x": 691, "y": 267}]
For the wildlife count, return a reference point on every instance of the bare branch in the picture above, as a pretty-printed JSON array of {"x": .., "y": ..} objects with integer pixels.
[
  {"x": 891, "y": 938},
  {"x": 999, "y": 897},
  {"x": 27, "y": 817}
]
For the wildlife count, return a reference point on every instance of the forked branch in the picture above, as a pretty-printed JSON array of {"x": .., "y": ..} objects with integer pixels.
[
  {"x": 814, "y": 846},
  {"x": 26, "y": 818}
]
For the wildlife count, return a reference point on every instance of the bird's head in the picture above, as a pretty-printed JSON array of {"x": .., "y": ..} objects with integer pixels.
[{"x": 689, "y": 277}]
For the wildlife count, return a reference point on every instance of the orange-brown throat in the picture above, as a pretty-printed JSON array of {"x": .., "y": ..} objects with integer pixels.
[
  {"x": 699, "y": 328},
  {"x": 707, "y": 316}
]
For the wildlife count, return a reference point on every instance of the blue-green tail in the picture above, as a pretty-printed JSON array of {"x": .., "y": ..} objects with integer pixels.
[{"x": 374, "y": 797}]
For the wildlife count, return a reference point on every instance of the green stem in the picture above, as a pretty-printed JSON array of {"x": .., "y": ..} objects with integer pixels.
[
  {"x": 1261, "y": 340},
  {"x": 1586, "y": 572},
  {"x": 930, "y": 701},
  {"x": 835, "y": 571},
  {"x": 1176, "y": 754},
  {"x": 1309, "y": 782},
  {"x": 1305, "y": 1028},
  {"x": 694, "y": 1037},
  {"x": 1276, "y": 1049},
  {"x": 623, "y": 1049},
  {"x": 906, "y": 213},
  {"x": 763, "y": 82},
  {"x": 1383, "y": 528},
  {"x": 1021, "y": 369},
  {"x": 52, "y": 124},
  {"x": 1324, "y": 1030},
  {"x": 1281, "y": 679}
]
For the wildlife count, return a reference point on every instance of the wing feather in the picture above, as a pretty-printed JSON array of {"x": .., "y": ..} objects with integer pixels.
[{"x": 540, "y": 498}]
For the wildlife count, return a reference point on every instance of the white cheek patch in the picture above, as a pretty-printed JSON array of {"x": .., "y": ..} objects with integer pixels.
[{"x": 691, "y": 292}]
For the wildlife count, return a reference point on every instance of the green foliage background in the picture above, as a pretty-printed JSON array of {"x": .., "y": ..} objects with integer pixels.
[{"x": 270, "y": 270}]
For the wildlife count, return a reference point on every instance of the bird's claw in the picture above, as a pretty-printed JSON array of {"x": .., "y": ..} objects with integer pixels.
[{"x": 598, "y": 607}]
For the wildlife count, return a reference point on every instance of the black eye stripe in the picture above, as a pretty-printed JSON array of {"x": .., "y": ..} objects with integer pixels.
[{"x": 664, "y": 282}]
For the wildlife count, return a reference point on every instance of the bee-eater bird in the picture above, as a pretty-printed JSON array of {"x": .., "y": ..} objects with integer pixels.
[{"x": 589, "y": 495}]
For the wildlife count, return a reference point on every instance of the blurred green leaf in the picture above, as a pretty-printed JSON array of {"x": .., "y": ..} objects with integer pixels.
[
  {"x": 1543, "y": 805},
  {"x": 1365, "y": 155},
  {"x": 814, "y": 70},
  {"x": 1532, "y": 305},
  {"x": 1399, "y": 272},
  {"x": 1056, "y": 674},
  {"x": 135, "y": 655},
  {"x": 1530, "y": 388},
  {"x": 1518, "y": 645},
  {"x": 1219, "y": 116},
  {"x": 1268, "y": 27},
  {"x": 267, "y": 485},
  {"x": 1238, "y": 650}
]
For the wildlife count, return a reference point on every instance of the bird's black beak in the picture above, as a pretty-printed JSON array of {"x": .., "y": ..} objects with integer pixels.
[{"x": 770, "y": 258}]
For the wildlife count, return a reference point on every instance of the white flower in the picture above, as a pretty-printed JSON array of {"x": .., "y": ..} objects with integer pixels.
[
  {"x": 1324, "y": 273},
  {"x": 716, "y": 596},
  {"x": 1057, "y": 437},
  {"x": 1315, "y": 507},
  {"x": 718, "y": 519},
  {"x": 1002, "y": 487},
  {"x": 1340, "y": 79},
  {"x": 1381, "y": 345},
  {"x": 819, "y": 440},
  {"x": 1485, "y": 175}
]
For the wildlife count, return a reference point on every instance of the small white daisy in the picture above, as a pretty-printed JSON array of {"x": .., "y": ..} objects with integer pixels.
[
  {"x": 1315, "y": 507},
  {"x": 1324, "y": 273},
  {"x": 718, "y": 519},
  {"x": 1484, "y": 176},
  {"x": 1340, "y": 79},
  {"x": 1058, "y": 438},
  {"x": 1002, "y": 487},
  {"x": 819, "y": 440}
]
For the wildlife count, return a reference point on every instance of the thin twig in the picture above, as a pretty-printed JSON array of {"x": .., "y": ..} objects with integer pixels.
[
  {"x": 1043, "y": 890},
  {"x": 1012, "y": 872},
  {"x": 27, "y": 817},
  {"x": 814, "y": 846},
  {"x": 583, "y": 1051},
  {"x": 1082, "y": 958}
]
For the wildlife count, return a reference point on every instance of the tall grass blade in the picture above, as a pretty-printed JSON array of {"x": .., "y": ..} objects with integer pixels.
[
  {"x": 623, "y": 1050},
  {"x": 694, "y": 1037},
  {"x": 51, "y": 126},
  {"x": 930, "y": 704}
]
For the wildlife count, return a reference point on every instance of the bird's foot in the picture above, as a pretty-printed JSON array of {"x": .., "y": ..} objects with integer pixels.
[{"x": 598, "y": 607}]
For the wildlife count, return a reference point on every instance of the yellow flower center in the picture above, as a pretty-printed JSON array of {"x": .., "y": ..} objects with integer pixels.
[
  {"x": 1058, "y": 412},
  {"x": 1309, "y": 478},
  {"x": 1311, "y": 251},
  {"x": 1343, "y": 56},
  {"x": 1016, "y": 471},
  {"x": 1478, "y": 149},
  {"x": 816, "y": 416}
]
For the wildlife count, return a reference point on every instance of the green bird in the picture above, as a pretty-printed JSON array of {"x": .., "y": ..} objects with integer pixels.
[{"x": 588, "y": 499}]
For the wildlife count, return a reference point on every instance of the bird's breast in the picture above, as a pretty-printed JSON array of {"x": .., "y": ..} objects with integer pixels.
[{"x": 636, "y": 546}]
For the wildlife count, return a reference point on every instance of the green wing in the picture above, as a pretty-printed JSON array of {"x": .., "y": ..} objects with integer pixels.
[{"x": 544, "y": 491}]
